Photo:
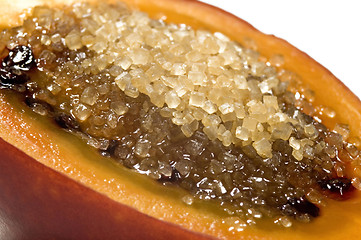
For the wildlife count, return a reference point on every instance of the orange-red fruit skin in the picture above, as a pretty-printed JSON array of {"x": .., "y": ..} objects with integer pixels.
[{"x": 38, "y": 203}]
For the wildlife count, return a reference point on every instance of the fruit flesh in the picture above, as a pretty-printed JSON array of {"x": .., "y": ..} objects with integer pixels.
[
  {"x": 144, "y": 139},
  {"x": 74, "y": 204},
  {"x": 41, "y": 157}
]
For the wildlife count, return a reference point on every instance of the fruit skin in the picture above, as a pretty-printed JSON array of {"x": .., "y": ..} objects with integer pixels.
[
  {"x": 55, "y": 207},
  {"x": 39, "y": 203}
]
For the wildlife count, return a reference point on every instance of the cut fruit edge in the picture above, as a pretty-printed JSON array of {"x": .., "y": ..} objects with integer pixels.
[{"x": 17, "y": 129}]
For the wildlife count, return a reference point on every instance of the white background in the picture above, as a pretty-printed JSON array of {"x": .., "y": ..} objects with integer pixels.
[{"x": 328, "y": 31}]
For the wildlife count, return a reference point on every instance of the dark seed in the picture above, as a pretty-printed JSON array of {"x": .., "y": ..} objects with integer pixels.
[
  {"x": 295, "y": 206},
  {"x": 8, "y": 78},
  {"x": 20, "y": 58},
  {"x": 302, "y": 205},
  {"x": 39, "y": 106},
  {"x": 113, "y": 144},
  {"x": 66, "y": 121},
  {"x": 340, "y": 185}
]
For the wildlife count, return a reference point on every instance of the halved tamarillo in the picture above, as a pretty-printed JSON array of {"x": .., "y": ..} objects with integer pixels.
[{"x": 54, "y": 185}]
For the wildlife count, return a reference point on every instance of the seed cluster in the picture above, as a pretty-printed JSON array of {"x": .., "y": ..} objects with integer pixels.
[{"x": 186, "y": 107}]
